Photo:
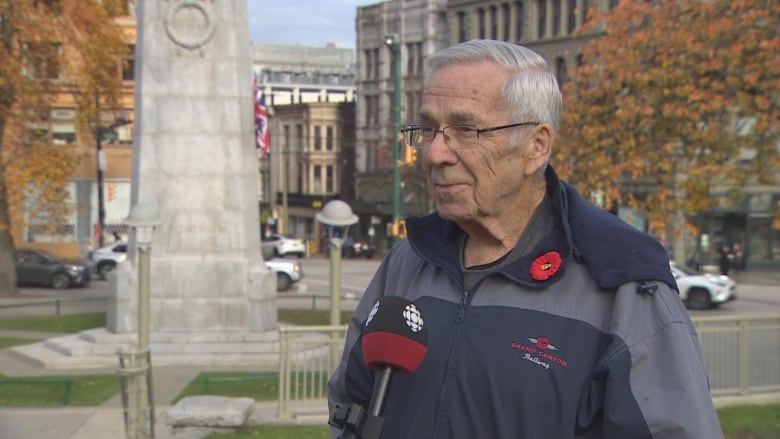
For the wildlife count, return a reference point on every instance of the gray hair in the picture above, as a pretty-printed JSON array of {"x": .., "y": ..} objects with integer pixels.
[{"x": 531, "y": 91}]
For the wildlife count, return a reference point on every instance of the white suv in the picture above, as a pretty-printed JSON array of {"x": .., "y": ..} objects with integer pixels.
[
  {"x": 288, "y": 271},
  {"x": 703, "y": 290},
  {"x": 283, "y": 245},
  {"x": 105, "y": 259}
]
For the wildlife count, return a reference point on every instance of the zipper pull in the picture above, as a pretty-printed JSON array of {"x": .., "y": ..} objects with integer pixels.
[{"x": 462, "y": 309}]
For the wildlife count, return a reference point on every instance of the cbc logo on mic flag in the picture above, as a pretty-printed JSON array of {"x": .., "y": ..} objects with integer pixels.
[{"x": 413, "y": 318}]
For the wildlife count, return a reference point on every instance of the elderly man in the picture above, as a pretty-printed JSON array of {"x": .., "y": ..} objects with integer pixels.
[{"x": 546, "y": 317}]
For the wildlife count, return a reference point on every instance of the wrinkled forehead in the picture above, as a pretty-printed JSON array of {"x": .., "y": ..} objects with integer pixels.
[{"x": 463, "y": 93}]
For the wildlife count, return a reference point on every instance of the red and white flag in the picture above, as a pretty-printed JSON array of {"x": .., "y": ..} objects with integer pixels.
[{"x": 262, "y": 134}]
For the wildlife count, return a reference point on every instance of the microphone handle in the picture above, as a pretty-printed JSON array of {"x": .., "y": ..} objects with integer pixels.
[{"x": 381, "y": 386}]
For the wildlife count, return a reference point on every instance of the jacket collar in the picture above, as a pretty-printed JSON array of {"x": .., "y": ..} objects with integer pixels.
[{"x": 614, "y": 252}]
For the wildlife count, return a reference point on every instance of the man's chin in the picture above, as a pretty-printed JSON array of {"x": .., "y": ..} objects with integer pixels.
[{"x": 451, "y": 213}]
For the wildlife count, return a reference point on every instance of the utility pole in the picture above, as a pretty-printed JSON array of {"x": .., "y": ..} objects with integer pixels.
[
  {"x": 392, "y": 41},
  {"x": 101, "y": 166}
]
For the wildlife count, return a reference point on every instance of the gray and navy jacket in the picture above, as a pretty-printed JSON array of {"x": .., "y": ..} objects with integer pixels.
[{"x": 602, "y": 348}]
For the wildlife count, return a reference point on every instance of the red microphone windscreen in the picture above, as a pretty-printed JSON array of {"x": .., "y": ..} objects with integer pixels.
[{"x": 394, "y": 335}]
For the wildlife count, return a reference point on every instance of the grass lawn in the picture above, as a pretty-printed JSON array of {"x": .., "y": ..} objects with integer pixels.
[
  {"x": 66, "y": 323},
  {"x": 9, "y": 342},
  {"x": 86, "y": 391},
  {"x": 751, "y": 421}
]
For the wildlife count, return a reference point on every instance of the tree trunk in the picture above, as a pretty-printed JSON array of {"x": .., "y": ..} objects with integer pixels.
[{"x": 7, "y": 260}]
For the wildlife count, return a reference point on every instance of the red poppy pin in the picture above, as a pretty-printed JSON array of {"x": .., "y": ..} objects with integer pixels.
[{"x": 546, "y": 265}]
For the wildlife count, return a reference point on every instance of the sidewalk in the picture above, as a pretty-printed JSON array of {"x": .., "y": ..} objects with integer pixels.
[{"x": 107, "y": 422}]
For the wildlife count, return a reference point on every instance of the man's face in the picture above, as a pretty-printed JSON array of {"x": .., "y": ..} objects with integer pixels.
[{"x": 485, "y": 178}]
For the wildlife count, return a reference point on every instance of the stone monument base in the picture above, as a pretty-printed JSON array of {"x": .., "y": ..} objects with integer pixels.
[{"x": 97, "y": 348}]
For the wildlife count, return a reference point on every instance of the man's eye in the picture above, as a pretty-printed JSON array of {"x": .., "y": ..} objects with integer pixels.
[{"x": 465, "y": 130}]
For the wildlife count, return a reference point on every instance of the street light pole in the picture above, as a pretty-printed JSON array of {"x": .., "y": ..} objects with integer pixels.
[
  {"x": 337, "y": 216},
  {"x": 101, "y": 166},
  {"x": 135, "y": 366},
  {"x": 392, "y": 41}
]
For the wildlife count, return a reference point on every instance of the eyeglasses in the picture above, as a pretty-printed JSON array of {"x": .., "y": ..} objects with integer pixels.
[{"x": 421, "y": 136}]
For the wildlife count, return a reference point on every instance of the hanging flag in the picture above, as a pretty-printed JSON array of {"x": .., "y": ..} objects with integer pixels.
[{"x": 262, "y": 134}]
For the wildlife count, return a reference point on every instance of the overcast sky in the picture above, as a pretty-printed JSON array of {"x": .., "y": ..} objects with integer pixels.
[{"x": 305, "y": 22}]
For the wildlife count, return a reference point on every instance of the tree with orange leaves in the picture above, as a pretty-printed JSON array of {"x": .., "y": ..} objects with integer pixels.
[
  {"x": 675, "y": 101},
  {"x": 49, "y": 49}
]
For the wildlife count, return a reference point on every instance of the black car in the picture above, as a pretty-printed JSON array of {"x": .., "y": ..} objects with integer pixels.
[
  {"x": 352, "y": 248},
  {"x": 41, "y": 268}
]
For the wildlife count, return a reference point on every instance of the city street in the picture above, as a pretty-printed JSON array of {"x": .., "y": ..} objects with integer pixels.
[{"x": 756, "y": 294}]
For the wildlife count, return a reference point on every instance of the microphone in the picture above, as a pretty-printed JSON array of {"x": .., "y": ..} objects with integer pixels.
[{"x": 395, "y": 339}]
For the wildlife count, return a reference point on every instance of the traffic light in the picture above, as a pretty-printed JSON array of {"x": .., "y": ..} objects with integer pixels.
[
  {"x": 398, "y": 229},
  {"x": 111, "y": 191},
  {"x": 410, "y": 155}
]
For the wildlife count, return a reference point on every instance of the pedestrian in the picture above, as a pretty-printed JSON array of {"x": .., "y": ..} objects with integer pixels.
[
  {"x": 546, "y": 316},
  {"x": 726, "y": 257}
]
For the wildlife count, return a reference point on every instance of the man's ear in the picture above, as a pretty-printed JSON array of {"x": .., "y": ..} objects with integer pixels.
[{"x": 538, "y": 148}]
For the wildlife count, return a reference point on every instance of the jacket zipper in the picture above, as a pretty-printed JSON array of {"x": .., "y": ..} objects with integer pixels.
[{"x": 464, "y": 302}]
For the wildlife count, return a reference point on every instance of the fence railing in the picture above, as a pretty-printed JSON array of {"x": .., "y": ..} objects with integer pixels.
[
  {"x": 742, "y": 354},
  {"x": 306, "y": 356}
]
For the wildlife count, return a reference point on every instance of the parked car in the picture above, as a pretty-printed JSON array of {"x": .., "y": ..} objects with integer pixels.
[
  {"x": 41, "y": 268},
  {"x": 105, "y": 259},
  {"x": 278, "y": 245},
  {"x": 288, "y": 271},
  {"x": 703, "y": 290},
  {"x": 352, "y": 248}
]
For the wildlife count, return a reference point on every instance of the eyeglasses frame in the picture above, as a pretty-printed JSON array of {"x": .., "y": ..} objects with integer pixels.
[{"x": 407, "y": 128}]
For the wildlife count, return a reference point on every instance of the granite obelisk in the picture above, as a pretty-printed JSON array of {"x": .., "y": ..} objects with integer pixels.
[{"x": 194, "y": 157}]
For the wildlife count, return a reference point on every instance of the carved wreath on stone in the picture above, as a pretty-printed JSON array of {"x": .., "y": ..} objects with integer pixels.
[{"x": 189, "y": 23}]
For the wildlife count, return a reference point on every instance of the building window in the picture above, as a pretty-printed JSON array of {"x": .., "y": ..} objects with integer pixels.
[
  {"x": 42, "y": 60},
  {"x": 519, "y": 17},
  {"x": 368, "y": 57},
  {"x": 560, "y": 71},
  {"x": 317, "y": 138},
  {"x": 556, "y": 18},
  {"x": 376, "y": 63},
  {"x": 572, "y": 22},
  {"x": 481, "y": 22},
  {"x": 329, "y": 189},
  {"x": 329, "y": 138},
  {"x": 317, "y": 183},
  {"x": 542, "y": 22},
  {"x": 298, "y": 140},
  {"x": 506, "y": 14},
  {"x": 420, "y": 58},
  {"x": 410, "y": 59},
  {"x": 494, "y": 22},
  {"x": 63, "y": 126},
  {"x": 38, "y": 223},
  {"x": 463, "y": 26},
  {"x": 411, "y": 106},
  {"x": 128, "y": 64}
]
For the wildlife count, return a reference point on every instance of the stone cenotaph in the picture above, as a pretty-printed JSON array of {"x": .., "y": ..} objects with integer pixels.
[{"x": 194, "y": 157}]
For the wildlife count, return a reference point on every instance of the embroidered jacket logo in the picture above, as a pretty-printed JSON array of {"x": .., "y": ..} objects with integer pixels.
[{"x": 538, "y": 352}]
